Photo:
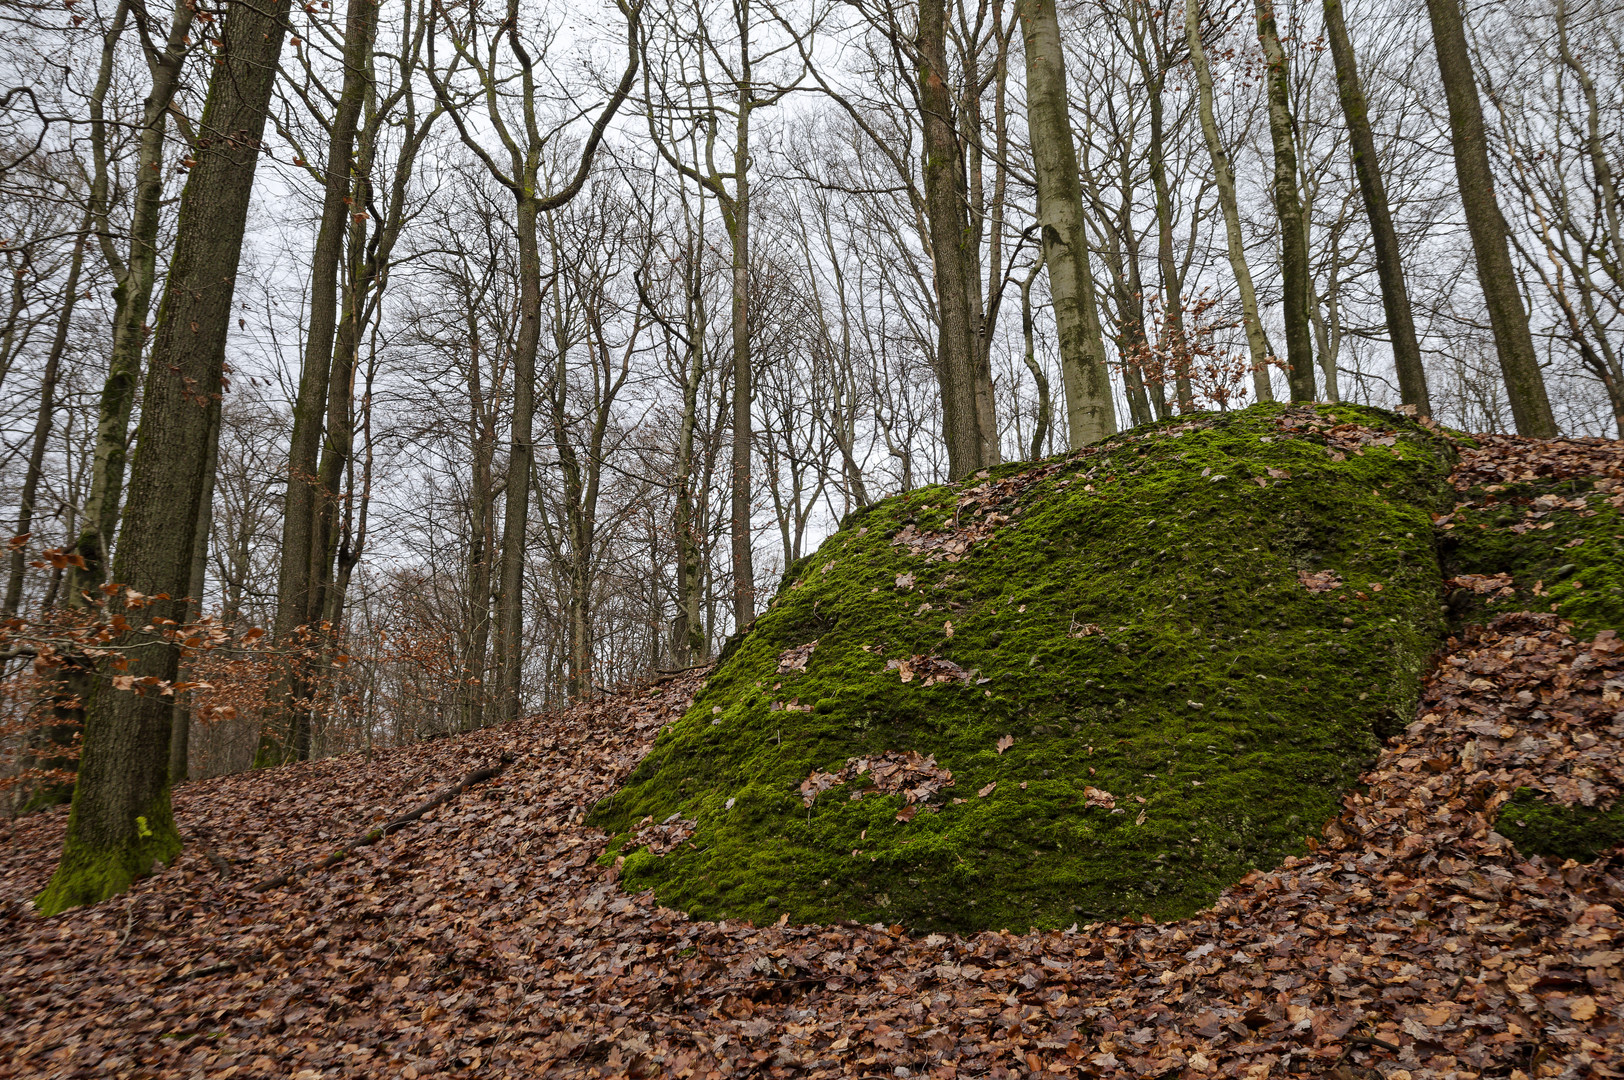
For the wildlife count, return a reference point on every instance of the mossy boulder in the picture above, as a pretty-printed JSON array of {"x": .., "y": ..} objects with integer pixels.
[
  {"x": 1148, "y": 667},
  {"x": 1560, "y": 542},
  {"x": 1539, "y": 826}
]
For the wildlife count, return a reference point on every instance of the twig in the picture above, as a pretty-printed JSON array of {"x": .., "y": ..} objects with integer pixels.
[
  {"x": 129, "y": 928},
  {"x": 202, "y": 972},
  {"x": 223, "y": 866},
  {"x": 478, "y": 776},
  {"x": 1370, "y": 1040}
]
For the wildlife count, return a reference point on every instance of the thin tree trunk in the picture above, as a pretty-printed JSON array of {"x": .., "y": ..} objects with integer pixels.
[
  {"x": 136, "y": 274},
  {"x": 180, "y": 732},
  {"x": 1496, "y": 274},
  {"x": 1412, "y": 376},
  {"x": 42, "y": 420},
  {"x": 1257, "y": 340},
  {"x": 521, "y": 456},
  {"x": 949, "y": 237},
  {"x": 1090, "y": 409},
  {"x": 1040, "y": 427},
  {"x": 1294, "y": 272},
  {"x": 298, "y": 593},
  {"x": 121, "y": 820},
  {"x": 738, "y": 222}
]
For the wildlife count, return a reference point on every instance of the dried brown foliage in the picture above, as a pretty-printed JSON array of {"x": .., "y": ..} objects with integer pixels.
[{"x": 486, "y": 939}]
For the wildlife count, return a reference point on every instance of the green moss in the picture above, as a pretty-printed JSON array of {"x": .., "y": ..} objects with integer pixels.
[
  {"x": 1569, "y": 561},
  {"x": 1540, "y": 827},
  {"x": 1222, "y": 703},
  {"x": 89, "y": 874}
]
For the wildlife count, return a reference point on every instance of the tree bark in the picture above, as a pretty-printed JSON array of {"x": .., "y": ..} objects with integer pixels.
[
  {"x": 1257, "y": 340},
  {"x": 42, "y": 421},
  {"x": 1496, "y": 275},
  {"x": 943, "y": 175},
  {"x": 121, "y": 820},
  {"x": 136, "y": 276},
  {"x": 738, "y": 226},
  {"x": 180, "y": 732},
  {"x": 304, "y": 550},
  {"x": 1412, "y": 377},
  {"x": 1295, "y": 279},
  {"x": 1090, "y": 409},
  {"x": 521, "y": 458}
]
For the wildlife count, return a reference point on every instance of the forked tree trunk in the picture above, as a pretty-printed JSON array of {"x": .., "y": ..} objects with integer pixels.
[
  {"x": 1090, "y": 409},
  {"x": 121, "y": 820},
  {"x": 136, "y": 273},
  {"x": 1496, "y": 275},
  {"x": 1295, "y": 279}
]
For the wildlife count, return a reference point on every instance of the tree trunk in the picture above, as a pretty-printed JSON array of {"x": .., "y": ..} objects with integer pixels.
[
  {"x": 1294, "y": 273},
  {"x": 956, "y": 368},
  {"x": 1090, "y": 410},
  {"x": 1496, "y": 275},
  {"x": 691, "y": 643},
  {"x": 136, "y": 274},
  {"x": 180, "y": 732},
  {"x": 738, "y": 223},
  {"x": 1040, "y": 427},
  {"x": 42, "y": 421},
  {"x": 1412, "y": 377},
  {"x": 521, "y": 456},
  {"x": 304, "y": 550},
  {"x": 1257, "y": 340},
  {"x": 121, "y": 820}
]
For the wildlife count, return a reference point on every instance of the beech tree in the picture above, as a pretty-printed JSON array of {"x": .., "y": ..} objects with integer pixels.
[
  {"x": 1514, "y": 344},
  {"x": 1090, "y": 412},
  {"x": 121, "y": 821}
]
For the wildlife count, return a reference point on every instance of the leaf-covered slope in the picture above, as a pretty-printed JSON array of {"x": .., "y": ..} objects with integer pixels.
[{"x": 1104, "y": 685}]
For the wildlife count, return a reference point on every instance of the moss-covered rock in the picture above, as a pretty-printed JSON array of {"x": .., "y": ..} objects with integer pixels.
[
  {"x": 1539, "y": 826},
  {"x": 1148, "y": 667},
  {"x": 1561, "y": 543}
]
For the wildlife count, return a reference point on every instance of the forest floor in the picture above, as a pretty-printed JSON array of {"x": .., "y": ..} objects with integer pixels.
[{"x": 485, "y": 938}]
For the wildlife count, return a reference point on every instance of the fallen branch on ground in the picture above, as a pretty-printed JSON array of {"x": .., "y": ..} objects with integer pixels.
[{"x": 372, "y": 836}]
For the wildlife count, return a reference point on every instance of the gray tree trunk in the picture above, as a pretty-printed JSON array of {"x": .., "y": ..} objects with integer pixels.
[
  {"x": 1090, "y": 409},
  {"x": 121, "y": 821},
  {"x": 1496, "y": 274},
  {"x": 1295, "y": 279},
  {"x": 1412, "y": 376}
]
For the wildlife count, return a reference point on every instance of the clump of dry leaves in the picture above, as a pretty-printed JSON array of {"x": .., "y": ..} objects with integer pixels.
[{"x": 486, "y": 940}]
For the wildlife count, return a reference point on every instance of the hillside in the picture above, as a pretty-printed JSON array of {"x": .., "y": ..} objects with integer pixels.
[{"x": 1420, "y": 933}]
